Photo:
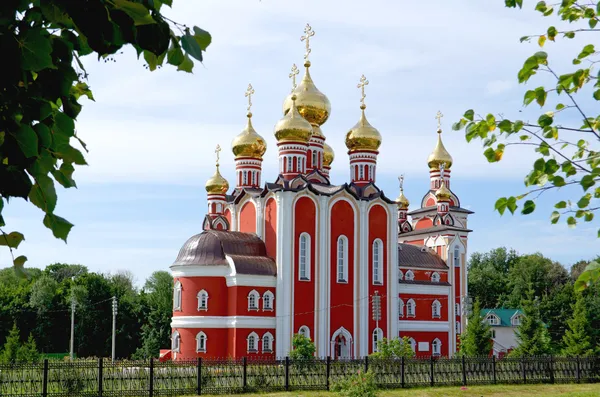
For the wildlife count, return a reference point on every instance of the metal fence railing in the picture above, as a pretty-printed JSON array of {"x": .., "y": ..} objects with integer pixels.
[{"x": 103, "y": 377}]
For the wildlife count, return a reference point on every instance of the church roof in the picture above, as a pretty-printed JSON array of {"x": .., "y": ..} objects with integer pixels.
[
  {"x": 436, "y": 229},
  {"x": 434, "y": 208},
  {"x": 410, "y": 255},
  {"x": 211, "y": 248},
  {"x": 505, "y": 315}
]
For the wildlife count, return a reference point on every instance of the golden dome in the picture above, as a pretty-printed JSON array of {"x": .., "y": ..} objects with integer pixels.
[
  {"x": 439, "y": 155},
  {"x": 217, "y": 184},
  {"x": 293, "y": 127},
  {"x": 317, "y": 131},
  {"x": 363, "y": 136},
  {"x": 443, "y": 193},
  {"x": 248, "y": 143},
  {"x": 402, "y": 201},
  {"x": 328, "y": 155},
  {"x": 311, "y": 103}
]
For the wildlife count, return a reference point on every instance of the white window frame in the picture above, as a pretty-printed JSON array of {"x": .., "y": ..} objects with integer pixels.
[
  {"x": 201, "y": 336},
  {"x": 436, "y": 347},
  {"x": 492, "y": 319},
  {"x": 253, "y": 336},
  {"x": 268, "y": 340},
  {"x": 411, "y": 308},
  {"x": 244, "y": 178},
  {"x": 289, "y": 164},
  {"x": 436, "y": 309},
  {"x": 400, "y": 308},
  {"x": 376, "y": 336},
  {"x": 256, "y": 296},
  {"x": 456, "y": 256},
  {"x": 400, "y": 275},
  {"x": 342, "y": 263},
  {"x": 304, "y": 256},
  {"x": 202, "y": 300},
  {"x": 177, "y": 289},
  {"x": 413, "y": 344},
  {"x": 304, "y": 330},
  {"x": 435, "y": 277},
  {"x": 314, "y": 159},
  {"x": 409, "y": 275},
  {"x": 268, "y": 301},
  {"x": 361, "y": 172},
  {"x": 516, "y": 320},
  {"x": 457, "y": 327},
  {"x": 377, "y": 261},
  {"x": 175, "y": 342}
]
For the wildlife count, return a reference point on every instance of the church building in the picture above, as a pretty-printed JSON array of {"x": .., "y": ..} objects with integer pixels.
[{"x": 342, "y": 264}]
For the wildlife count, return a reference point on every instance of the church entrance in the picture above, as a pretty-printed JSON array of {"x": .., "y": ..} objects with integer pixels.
[{"x": 341, "y": 344}]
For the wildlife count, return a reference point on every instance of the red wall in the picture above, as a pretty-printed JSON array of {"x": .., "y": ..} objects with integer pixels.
[
  {"x": 425, "y": 275},
  {"x": 305, "y": 217},
  {"x": 424, "y": 307},
  {"x": 248, "y": 218},
  {"x": 237, "y": 298},
  {"x": 190, "y": 286},
  {"x": 271, "y": 228},
  {"x": 424, "y": 223},
  {"x": 227, "y": 215},
  {"x": 378, "y": 224},
  {"x": 342, "y": 295},
  {"x": 420, "y": 336}
]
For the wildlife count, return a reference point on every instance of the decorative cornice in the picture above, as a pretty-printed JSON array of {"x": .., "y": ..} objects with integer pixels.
[{"x": 251, "y": 322}]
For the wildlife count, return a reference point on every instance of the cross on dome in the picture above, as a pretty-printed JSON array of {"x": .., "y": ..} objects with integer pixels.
[
  {"x": 217, "y": 151},
  {"x": 248, "y": 94},
  {"x": 361, "y": 85},
  {"x": 308, "y": 33},
  {"x": 442, "y": 168},
  {"x": 293, "y": 75},
  {"x": 401, "y": 180},
  {"x": 439, "y": 116}
]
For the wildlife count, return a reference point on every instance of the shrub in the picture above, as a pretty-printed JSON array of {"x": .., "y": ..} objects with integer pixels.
[{"x": 361, "y": 384}]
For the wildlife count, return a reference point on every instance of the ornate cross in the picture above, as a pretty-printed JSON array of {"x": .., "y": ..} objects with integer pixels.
[
  {"x": 401, "y": 180},
  {"x": 249, "y": 92},
  {"x": 217, "y": 151},
  {"x": 439, "y": 116},
  {"x": 293, "y": 75},
  {"x": 442, "y": 168},
  {"x": 308, "y": 33},
  {"x": 361, "y": 85}
]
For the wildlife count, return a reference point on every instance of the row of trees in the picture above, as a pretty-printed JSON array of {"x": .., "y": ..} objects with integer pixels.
[{"x": 40, "y": 306}]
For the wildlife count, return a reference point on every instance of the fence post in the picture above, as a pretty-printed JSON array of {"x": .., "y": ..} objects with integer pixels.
[
  {"x": 578, "y": 373},
  {"x": 523, "y": 369},
  {"x": 245, "y": 374},
  {"x": 494, "y": 368},
  {"x": 366, "y": 363},
  {"x": 431, "y": 363},
  {"x": 199, "y": 375},
  {"x": 402, "y": 372},
  {"x": 100, "y": 376},
  {"x": 464, "y": 372},
  {"x": 287, "y": 373},
  {"x": 151, "y": 388},
  {"x": 551, "y": 369},
  {"x": 45, "y": 379},
  {"x": 328, "y": 371}
]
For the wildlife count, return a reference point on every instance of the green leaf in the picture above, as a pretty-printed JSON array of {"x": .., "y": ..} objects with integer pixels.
[
  {"x": 589, "y": 216},
  {"x": 597, "y": 93},
  {"x": 554, "y": 217},
  {"x": 187, "y": 65},
  {"x": 43, "y": 193},
  {"x": 551, "y": 33},
  {"x": 540, "y": 96},
  {"x": 490, "y": 155},
  {"x": 191, "y": 46},
  {"x": 12, "y": 239},
  {"x": 151, "y": 59},
  {"x": 587, "y": 182},
  {"x": 584, "y": 201},
  {"x": 80, "y": 89},
  {"x": 558, "y": 181},
  {"x": 586, "y": 51},
  {"x": 561, "y": 205},
  {"x": 517, "y": 125},
  {"x": 60, "y": 227},
  {"x": 545, "y": 120},
  {"x": 64, "y": 175},
  {"x": 19, "y": 262},
  {"x": 505, "y": 126},
  {"x": 511, "y": 204},
  {"x": 27, "y": 140},
  {"x": 569, "y": 35},
  {"x": 202, "y": 37},
  {"x": 528, "y": 207},
  {"x": 539, "y": 164},
  {"x": 500, "y": 205},
  {"x": 36, "y": 50},
  {"x": 44, "y": 135},
  {"x": 175, "y": 56},
  {"x": 529, "y": 97},
  {"x": 571, "y": 221},
  {"x": 469, "y": 114},
  {"x": 63, "y": 124},
  {"x": 137, "y": 11},
  {"x": 541, "y": 40}
]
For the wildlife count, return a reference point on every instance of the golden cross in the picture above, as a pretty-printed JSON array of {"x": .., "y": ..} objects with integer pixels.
[
  {"x": 293, "y": 74},
  {"x": 401, "y": 180},
  {"x": 249, "y": 92},
  {"x": 439, "y": 116},
  {"x": 217, "y": 151},
  {"x": 442, "y": 168},
  {"x": 308, "y": 33},
  {"x": 361, "y": 85}
]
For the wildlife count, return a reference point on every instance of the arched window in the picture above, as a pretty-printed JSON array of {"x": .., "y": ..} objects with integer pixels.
[
  {"x": 516, "y": 320},
  {"x": 252, "y": 342},
  {"x": 202, "y": 300},
  {"x": 268, "y": 299},
  {"x": 377, "y": 336},
  {"x": 304, "y": 257},
  {"x": 175, "y": 342},
  {"x": 244, "y": 178},
  {"x": 267, "y": 343},
  {"x": 456, "y": 256},
  {"x": 411, "y": 308},
  {"x": 400, "y": 275},
  {"x": 436, "y": 309},
  {"x": 253, "y": 300},
  {"x": 342, "y": 259},
  {"x": 201, "y": 342},
  {"x": 457, "y": 327},
  {"x": 400, "y": 308},
  {"x": 177, "y": 297},
  {"x": 304, "y": 330},
  {"x": 289, "y": 164},
  {"x": 377, "y": 262},
  {"x": 413, "y": 344},
  {"x": 410, "y": 276},
  {"x": 299, "y": 161},
  {"x": 435, "y": 277},
  {"x": 314, "y": 160},
  {"x": 493, "y": 320},
  {"x": 361, "y": 173},
  {"x": 436, "y": 347}
]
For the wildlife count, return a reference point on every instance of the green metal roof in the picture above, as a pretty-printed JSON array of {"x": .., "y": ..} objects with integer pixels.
[{"x": 505, "y": 315}]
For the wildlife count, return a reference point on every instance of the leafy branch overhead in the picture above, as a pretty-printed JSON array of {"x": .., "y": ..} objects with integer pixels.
[{"x": 43, "y": 80}]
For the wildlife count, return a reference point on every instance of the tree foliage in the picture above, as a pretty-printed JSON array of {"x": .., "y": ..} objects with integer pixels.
[
  {"x": 532, "y": 335},
  {"x": 477, "y": 338},
  {"x": 303, "y": 348},
  {"x": 488, "y": 279},
  {"x": 566, "y": 134},
  {"x": 577, "y": 339},
  {"x": 43, "y": 80},
  {"x": 10, "y": 349},
  {"x": 394, "y": 348}
]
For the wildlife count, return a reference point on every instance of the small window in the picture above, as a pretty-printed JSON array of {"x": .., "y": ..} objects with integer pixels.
[
  {"x": 201, "y": 342},
  {"x": 342, "y": 259},
  {"x": 456, "y": 257},
  {"x": 413, "y": 344},
  {"x": 299, "y": 164},
  {"x": 400, "y": 275},
  {"x": 516, "y": 320},
  {"x": 400, "y": 308},
  {"x": 304, "y": 257},
  {"x": 361, "y": 173},
  {"x": 457, "y": 327},
  {"x": 202, "y": 300},
  {"x": 252, "y": 343},
  {"x": 177, "y": 297},
  {"x": 377, "y": 262},
  {"x": 267, "y": 343},
  {"x": 410, "y": 276},
  {"x": 377, "y": 336},
  {"x": 435, "y": 277},
  {"x": 268, "y": 299},
  {"x": 410, "y": 308},
  {"x": 289, "y": 164},
  {"x": 457, "y": 309},
  {"x": 244, "y": 178},
  {"x": 436, "y": 347},
  {"x": 253, "y": 300},
  {"x": 305, "y": 331},
  {"x": 493, "y": 320},
  {"x": 175, "y": 342},
  {"x": 436, "y": 309},
  {"x": 493, "y": 332}
]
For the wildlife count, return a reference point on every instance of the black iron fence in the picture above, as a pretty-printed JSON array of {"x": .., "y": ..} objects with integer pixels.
[{"x": 152, "y": 378}]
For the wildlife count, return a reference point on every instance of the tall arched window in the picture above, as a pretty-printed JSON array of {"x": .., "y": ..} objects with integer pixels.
[
  {"x": 342, "y": 259},
  {"x": 436, "y": 309},
  {"x": 177, "y": 297},
  {"x": 202, "y": 300},
  {"x": 361, "y": 173},
  {"x": 299, "y": 161},
  {"x": 175, "y": 342},
  {"x": 436, "y": 347},
  {"x": 314, "y": 159},
  {"x": 201, "y": 342},
  {"x": 267, "y": 343},
  {"x": 377, "y": 262},
  {"x": 456, "y": 256},
  {"x": 435, "y": 277},
  {"x": 410, "y": 276},
  {"x": 377, "y": 336},
  {"x": 411, "y": 308},
  {"x": 289, "y": 164},
  {"x": 400, "y": 308},
  {"x": 305, "y": 331},
  {"x": 268, "y": 299},
  {"x": 253, "y": 300},
  {"x": 304, "y": 257},
  {"x": 252, "y": 341}
]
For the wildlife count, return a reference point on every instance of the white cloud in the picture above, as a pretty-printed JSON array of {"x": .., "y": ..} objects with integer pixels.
[{"x": 496, "y": 87}]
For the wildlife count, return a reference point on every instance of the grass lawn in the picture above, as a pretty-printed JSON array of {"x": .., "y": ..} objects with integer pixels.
[{"x": 588, "y": 390}]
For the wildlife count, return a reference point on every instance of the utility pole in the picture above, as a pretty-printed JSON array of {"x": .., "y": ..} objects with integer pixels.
[
  {"x": 72, "y": 325},
  {"x": 114, "y": 325}
]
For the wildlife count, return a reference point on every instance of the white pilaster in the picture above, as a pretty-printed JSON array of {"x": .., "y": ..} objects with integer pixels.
[
  {"x": 362, "y": 277},
  {"x": 234, "y": 218},
  {"x": 322, "y": 283},
  {"x": 260, "y": 224},
  {"x": 392, "y": 286}
]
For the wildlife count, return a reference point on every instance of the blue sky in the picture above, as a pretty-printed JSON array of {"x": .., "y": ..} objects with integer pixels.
[{"x": 152, "y": 135}]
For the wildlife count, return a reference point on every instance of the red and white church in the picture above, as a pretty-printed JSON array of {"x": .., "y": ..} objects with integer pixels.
[{"x": 304, "y": 255}]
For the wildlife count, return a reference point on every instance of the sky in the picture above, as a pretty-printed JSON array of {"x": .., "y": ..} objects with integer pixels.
[{"x": 151, "y": 135}]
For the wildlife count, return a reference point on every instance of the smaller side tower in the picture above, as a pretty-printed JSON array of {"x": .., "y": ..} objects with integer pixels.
[{"x": 216, "y": 190}]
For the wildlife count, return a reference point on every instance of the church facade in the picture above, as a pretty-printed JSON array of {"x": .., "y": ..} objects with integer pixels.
[{"x": 344, "y": 265}]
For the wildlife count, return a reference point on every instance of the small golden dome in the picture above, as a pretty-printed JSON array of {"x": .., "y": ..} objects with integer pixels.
[
  {"x": 217, "y": 184},
  {"x": 248, "y": 143},
  {"x": 402, "y": 201},
  {"x": 311, "y": 103},
  {"x": 439, "y": 155},
  {"x": 328, "y": 155},
  {"x": 443, "y": 193},
  {"x": 293, "y": 127},
  {"x": 317, "y": 131},
  {"x": 363, "y": 136}
]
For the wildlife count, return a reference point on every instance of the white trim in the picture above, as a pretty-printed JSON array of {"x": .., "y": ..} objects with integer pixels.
[
  {"x": 436, "y": 309},
  {"x": 269, "y": 337},
  {"x": 199, "y": 296},
  {"x": 256, "y": 340},
  {"x": 177, "y": 296},
  {"x": 307, "y": 257},
  {"x": 271, "y": 302},
  {"x": 411, "y": 304},
  {"x": 199, "y": 271},
  {"x": 321, "y": 330},
  {"x": 379, "y": 244},
  {"x": 361, "y": 277},
  {"x": 175, "y": 347},
  {"x": 344, "y": 240},
  {"x": 304, "y": 330},
  {"x": 256, "y": 322},
  {"x": 198, "y": 336},
  {"x": 376, "y": 336},
  {"x": 439, "y": 349},
  {"x": 254, "y": 294},
  {"x": 409, "y": 275},
  {"x": 426, "y": 326},
  {"x": 244, "y": 280},
  {"x": 410, "y": 289}
]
